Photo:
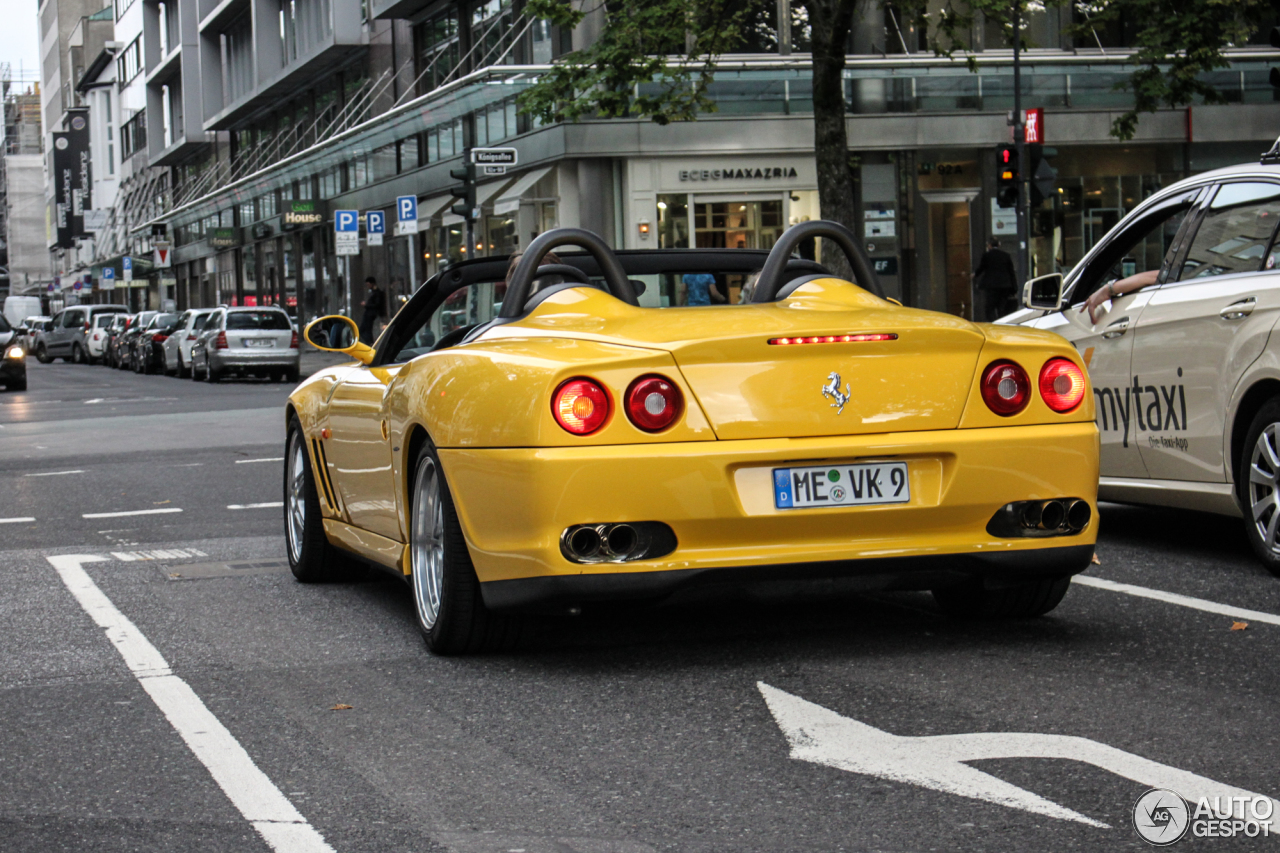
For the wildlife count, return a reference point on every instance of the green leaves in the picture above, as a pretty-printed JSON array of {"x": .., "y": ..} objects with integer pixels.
[{"x": 629, "y": 70}]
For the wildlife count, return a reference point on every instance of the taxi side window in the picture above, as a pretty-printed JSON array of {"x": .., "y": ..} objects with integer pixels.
[
  {"x": 1236, "y": 231},
  {"x": 1143, "y": 246}
]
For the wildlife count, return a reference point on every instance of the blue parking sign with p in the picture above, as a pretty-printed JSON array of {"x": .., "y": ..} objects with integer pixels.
[
  {"x": 407, "y": 208},
  {"x": 375, "y": 222},
  {"x": 108, "y": 273},
  {"x": 345, "y": 221}
]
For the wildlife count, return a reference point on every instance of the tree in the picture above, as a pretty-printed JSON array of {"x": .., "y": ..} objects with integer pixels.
[{"x": 629, "y": 71}]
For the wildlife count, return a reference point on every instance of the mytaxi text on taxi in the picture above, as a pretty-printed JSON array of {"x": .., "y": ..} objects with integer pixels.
[{"x": 546, "y": 436}]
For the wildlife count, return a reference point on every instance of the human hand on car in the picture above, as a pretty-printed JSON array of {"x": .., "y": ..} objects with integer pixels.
[{"x": 1116, "y": 288}]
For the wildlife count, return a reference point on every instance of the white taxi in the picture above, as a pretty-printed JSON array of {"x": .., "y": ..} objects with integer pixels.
[{"x": 1186, "y": 370}]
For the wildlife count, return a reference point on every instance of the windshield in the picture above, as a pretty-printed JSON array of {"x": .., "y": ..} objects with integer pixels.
[
  {"x": 201, "y": 319},
  {"x": 268, "y": 320},
  {"x": 161, "y": 320},
  {"x": 4, "y": 325}
]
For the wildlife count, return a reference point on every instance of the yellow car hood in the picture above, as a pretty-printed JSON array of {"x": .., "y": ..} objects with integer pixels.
[{"x": 750, "y": 388}]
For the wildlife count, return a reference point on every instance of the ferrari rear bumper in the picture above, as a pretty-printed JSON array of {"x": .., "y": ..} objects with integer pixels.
[{"x": 717, "y": 497}]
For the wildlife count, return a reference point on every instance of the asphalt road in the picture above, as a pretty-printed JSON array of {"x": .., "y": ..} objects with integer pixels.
[{"x": 621, "y": 731}]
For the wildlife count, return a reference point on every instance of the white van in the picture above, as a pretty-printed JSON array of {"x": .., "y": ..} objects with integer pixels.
[{"x": 19, "y": 308}]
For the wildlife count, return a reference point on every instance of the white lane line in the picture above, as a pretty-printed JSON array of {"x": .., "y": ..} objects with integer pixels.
[
  {"x": 250, "y": 790},
  {"x": 1181, "y": 600},
  {"x": 272, "y": 459},
  {"x": 169, "y": 554},
  {"x": 23, "y": 520},
  {"x": 130, "y": 512},
  {"x": 267, "y": 505},
  {"x": 53, "y": 473}
]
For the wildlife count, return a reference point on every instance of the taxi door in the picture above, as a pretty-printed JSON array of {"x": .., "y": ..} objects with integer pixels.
[
  {"x": 360, "y": 451},
  {"x": 1201, "y": 329},
  {"x": 1106, "y": 347}
]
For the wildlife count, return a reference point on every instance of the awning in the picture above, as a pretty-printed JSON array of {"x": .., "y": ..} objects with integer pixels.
[
  {"x": 428, "y": 209},
  {"x": 484, "y": 192},
  {"x": 510, "y": 198}
]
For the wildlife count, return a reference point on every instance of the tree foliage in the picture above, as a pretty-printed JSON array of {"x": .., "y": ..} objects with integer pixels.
[{"x": 1174, "y": 41}]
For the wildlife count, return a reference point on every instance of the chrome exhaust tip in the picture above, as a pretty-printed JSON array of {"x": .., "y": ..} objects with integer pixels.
[
  {"x": 584, "y": 543},
  {"x": 1078, "y": 515},
  {"x": 620, "y": 540},
  {"x": 1030, "y": 515},
  {"x": 1052, "y": 515}
]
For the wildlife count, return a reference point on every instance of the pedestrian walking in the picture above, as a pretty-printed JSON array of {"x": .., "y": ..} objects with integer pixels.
[
  {"x": 375, "y": 302},
  {"x": 998, "y": 281}
]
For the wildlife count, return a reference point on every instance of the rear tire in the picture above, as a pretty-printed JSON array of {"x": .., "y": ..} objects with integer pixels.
[
  {"x": 972, "y": 600},
  {"x": 1258, "y": 476},
  {"x": 42, "y": 355},
  {"x": 77, "y": 354},
  {"x": 447, "y": 603},
  {"x": 312, "y": 558}
]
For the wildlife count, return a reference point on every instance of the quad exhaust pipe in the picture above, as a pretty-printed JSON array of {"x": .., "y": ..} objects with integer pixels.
[
  {"x": 1055, "y": 517},
  {"x": 616, "y": 542}
]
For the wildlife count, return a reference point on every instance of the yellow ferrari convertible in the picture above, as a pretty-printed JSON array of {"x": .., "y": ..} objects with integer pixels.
[{"x": 579, "y": 432}]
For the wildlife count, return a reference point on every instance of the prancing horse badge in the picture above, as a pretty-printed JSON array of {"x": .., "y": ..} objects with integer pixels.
[{"x": 832, "y": 390}]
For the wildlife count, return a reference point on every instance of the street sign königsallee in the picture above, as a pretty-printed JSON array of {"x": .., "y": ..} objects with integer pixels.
[{"x": 494, "y": 156}]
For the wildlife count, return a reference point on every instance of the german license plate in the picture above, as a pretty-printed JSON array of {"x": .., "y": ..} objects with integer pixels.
[
  {"x": 860, "y": 484},
  {"x": 259, "y": 342}
]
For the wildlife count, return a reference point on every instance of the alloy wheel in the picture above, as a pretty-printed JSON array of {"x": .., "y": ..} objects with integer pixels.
[
  {"x": 427, "y": 554},
  {"x": 295, "y": 497},
  {"x": 1264, "y": 488}
]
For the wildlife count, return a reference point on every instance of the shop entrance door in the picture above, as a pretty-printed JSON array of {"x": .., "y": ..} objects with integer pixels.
[
  {"x": 947, "y": 285},
  {"x": 737, "y": 223}
]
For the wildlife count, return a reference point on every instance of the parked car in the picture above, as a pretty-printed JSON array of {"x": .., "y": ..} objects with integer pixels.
[
  {"x": 1182, "y": 350},
  {"x": 26, "y": 332},
  {"x": 124, "y": 343},
  {"x": 97, "y": 339},
  {"x": 145, "y": 350},
  {"x": 177, "y": 347},
  {"x": 68, "y": 338},
  {"x": 114, "y": 330},
  {"x": 246, "y": 342},
  {"x": 13, "y": 358}
]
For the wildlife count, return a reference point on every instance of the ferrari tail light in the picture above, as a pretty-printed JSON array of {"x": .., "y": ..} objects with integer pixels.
[
  {"x": 654, "y": 403},
  {"x": 1061, "y": 384},
  {"x": 580, "y": 406},
  {"x": 293, "y": 341},
  {"x": 220, "y": 342},
  {"x": 1006, "y": 389}
]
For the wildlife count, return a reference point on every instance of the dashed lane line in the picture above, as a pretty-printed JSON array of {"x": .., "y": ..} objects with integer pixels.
[
  {"x": 24, "y": 520},
  {"x": 267, "y": 505},
  {"x": 1181, "y": 600},
  {"x": 272, "y": 459},
  {"x": 54, "y": 473},
  {"x": 250, "y": 790},
  {"x": 164, "y": 511}
]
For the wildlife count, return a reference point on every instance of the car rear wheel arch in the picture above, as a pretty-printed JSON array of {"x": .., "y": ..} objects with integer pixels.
[{"x": 1250, "y": 404}]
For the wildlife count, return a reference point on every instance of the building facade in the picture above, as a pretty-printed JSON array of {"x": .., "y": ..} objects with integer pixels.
[
  {"x": 24, "y": 258},
  {"x": 262, "y": 118}
]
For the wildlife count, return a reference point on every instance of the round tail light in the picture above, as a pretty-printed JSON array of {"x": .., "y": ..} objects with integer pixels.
[
  {"x": 580, "y": 406},
  {"x": 1061, "y": 384},
  {"x": 654, "y": 403},
  {"x": 1005, "y": 388}
]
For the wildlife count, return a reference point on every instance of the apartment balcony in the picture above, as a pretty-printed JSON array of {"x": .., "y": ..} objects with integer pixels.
[{"x": 269, "y": 52}]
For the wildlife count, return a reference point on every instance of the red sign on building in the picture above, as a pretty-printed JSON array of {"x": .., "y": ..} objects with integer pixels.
[{"x": 1035, "y": 126}]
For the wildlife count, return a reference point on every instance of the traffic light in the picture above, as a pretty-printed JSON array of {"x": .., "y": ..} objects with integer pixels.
[
  {"x": 465, "y": 191},
  {"x": 1043, "y": 176},
  {"x": 1007, "y": 176}
]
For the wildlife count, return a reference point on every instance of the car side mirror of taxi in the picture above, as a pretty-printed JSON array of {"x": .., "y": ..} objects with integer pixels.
[
  {"x": 1043, "y": 293},
  {"x": 336, "y": 333}
]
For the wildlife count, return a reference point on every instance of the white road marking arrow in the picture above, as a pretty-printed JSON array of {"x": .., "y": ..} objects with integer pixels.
[{"x": 822, "y": 736}]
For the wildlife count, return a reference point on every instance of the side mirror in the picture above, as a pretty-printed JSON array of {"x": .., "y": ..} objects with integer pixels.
[
  {"x": 1043, "y": 293},
  {"x": 336, "y": 333}
]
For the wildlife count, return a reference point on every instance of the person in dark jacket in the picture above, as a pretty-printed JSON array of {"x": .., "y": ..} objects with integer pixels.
[
  {"x": 375, "y": 302},
  {"x": 998, "y": 281}
]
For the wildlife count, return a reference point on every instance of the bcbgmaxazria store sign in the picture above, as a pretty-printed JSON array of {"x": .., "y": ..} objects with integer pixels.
[{"x": 759, "y": 173}]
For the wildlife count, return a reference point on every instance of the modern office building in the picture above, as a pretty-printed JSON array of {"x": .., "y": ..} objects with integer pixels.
[
  {"x": 24, "y": 258},
  {"x": 264, "y": 117}
]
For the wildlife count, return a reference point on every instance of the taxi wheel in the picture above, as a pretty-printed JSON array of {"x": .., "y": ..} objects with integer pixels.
[
  {"x": 312, "y": 559},
  {"x": 1259, "y": 471},
  {"x": 447, "y": 604},
  {"x": 972, "y": 600}
]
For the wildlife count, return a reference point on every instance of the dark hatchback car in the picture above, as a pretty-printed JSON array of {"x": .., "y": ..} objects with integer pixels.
[
  {"x": 123, "y": 342},
  {"x": 146, "y": 348},
  {"x": 13, "y": 359}
]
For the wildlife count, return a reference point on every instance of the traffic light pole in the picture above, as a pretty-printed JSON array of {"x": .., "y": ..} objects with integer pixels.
[{"x": 1020, "y": 144}]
